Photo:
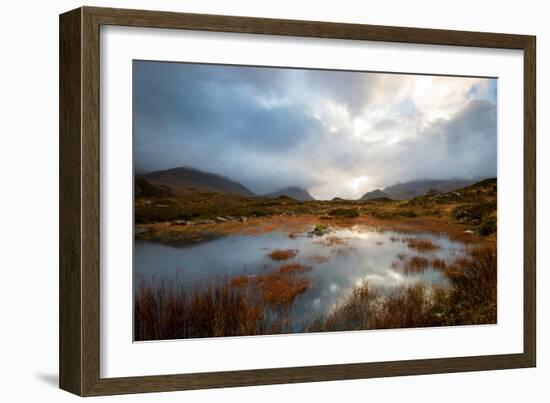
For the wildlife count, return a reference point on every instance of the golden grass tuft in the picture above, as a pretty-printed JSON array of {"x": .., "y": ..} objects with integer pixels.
[{"x": 283, "y": 254}]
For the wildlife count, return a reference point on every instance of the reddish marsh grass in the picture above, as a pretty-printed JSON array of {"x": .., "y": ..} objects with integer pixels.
[
  {"x": 294, "y": 268},
  {"x": 421, "y": 245},
  {"x": 439, "y": 264},
  {"x": 366, "y": 308},
  {"x": 240, "y": 281},
  {"x": 243, "y": 305},
  {"x": 353, "y": 313},
  {"x": 283, "y": 254},
  {"x": 416, "y": 264},
  {"x": 404, "y": 308},
  {"x": 282, "y": 288},
  {"x": 279, "y": 287},
  {"x": 165, "y": 311},
  {"x": 474, "y": 281}
]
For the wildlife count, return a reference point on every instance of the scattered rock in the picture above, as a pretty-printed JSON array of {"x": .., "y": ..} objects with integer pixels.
[
  {"x": 205, "y": 222},
  {"x": 179, "y": 222}
]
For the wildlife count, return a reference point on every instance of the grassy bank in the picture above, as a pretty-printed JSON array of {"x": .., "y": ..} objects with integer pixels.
[{"x": 468, "y": 216}]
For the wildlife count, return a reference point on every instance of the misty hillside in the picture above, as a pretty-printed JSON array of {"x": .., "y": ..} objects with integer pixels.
[
  {"x": 415, "y": 188},
  {"x": 294, "y": 192},
  {"x": 189, "y": 178},
  {"x": 375, "y": 194}
]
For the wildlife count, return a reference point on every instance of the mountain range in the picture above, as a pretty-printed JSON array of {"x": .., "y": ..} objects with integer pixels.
[
  {"x": 419, "y": 187},
  {"x": 182, "y": 179}
]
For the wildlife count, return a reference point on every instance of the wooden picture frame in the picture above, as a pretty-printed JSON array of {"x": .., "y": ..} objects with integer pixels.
[{"x": 79, "y": 201}]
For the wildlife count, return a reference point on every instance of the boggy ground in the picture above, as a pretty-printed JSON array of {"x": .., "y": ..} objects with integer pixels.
[
  {"x": 262, "y": 304},
  {"x": 468, "y": 215}
]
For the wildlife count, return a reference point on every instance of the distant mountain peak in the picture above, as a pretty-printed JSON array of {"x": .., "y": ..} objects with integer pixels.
[
  {"x": 181, "y": 178},
  {"x": 375, "y": 194},
  {"x": 294, "y": 192}
]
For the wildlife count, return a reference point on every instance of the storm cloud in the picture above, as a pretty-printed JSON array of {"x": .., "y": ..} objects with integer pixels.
[{"x": 334, "y": 133}]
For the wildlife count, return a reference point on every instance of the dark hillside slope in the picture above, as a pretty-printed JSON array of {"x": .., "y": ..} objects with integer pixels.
[{"x": 189, "y": 178}]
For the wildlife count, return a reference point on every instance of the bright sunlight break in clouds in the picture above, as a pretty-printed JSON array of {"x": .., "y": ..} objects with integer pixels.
[{"x": 334, "y": 133}]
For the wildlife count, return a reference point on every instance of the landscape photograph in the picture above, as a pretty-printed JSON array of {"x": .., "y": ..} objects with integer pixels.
[{"x": 274, "y": 200}]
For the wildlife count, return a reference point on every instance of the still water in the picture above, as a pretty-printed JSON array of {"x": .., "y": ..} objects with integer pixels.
[{"x": 366, "y": 255}]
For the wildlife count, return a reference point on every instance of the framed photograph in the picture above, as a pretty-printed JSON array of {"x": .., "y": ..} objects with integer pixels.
[{"x": 249, "y": 201}]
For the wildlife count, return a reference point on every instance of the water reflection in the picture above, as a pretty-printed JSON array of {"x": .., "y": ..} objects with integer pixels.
[{"x": 340, "y": 260}]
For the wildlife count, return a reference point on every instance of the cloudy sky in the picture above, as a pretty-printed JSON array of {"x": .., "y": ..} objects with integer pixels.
[{"x": 334, "y": 133}]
